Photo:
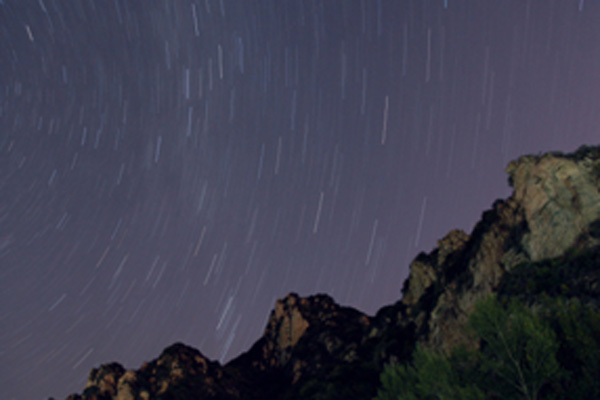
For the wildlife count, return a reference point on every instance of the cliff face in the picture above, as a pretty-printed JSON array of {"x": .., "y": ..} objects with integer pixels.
[
  {"x": 329, "y": 326},
  {"x": 556, "y": 199},
  {"x": 313, "y": 346}
]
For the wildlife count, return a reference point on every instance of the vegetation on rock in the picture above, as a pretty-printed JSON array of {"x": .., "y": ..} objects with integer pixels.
[
  {"x": 534, "y": 342},
  {"x": 509, "y": 311}
]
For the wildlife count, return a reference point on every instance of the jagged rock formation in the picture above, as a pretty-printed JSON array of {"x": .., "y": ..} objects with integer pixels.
[
  {"x": 294, "y": 320},
  {"x": 179, "y": 372},
  {"x": 556, "y": 198},
  {"x": 314, "y": 348}
]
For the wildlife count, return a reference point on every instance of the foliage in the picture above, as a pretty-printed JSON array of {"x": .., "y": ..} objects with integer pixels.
[
  {"x": 550, "y": 351},
  {"x": 518, "y": 348},
  {"x": 431, "y": 376},
  {"x": 578, "y": 330},
  {"x": 561, "y": 276}
]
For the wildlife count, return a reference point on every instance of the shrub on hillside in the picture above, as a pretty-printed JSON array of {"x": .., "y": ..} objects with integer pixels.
[{"x": 550, "y": 351}]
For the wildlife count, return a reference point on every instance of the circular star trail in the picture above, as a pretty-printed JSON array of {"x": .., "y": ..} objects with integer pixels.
[{"x": 169, "y": 168}]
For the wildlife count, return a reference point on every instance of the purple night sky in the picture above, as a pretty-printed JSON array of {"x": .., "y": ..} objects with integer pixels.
[{"x": 168, "y": 169}]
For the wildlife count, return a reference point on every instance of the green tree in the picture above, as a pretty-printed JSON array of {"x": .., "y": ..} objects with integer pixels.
[
  {"x": 578, "y": 331},
  {"x": 431, "y": 376},
  {"x": 518, "y": 348},
  {"x": 516, "y": 360}
]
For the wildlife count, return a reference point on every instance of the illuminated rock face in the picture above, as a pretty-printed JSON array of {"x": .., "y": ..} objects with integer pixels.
[
  {"x": 312, "y": 345},
  {"x": 556, "y": 199},
  {"x": 292, "y": 324},
  {"x": 559, "y": 198}
]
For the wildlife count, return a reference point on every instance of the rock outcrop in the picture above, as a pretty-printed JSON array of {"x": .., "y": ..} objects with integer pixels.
[
  {"x": 556, "y": 200},
  {"x": 313, "y": 346},
  {"x": 557, "y": 197},
  {"x": 303, "y": 337},
  {"x": 179, "y": 372}
]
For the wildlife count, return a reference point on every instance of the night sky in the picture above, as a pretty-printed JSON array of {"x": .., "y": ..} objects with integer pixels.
[{"x": 168, "y": 169}]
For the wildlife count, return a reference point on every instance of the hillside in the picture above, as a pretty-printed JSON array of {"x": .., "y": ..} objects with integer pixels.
[{"x": 542, "y": 241}]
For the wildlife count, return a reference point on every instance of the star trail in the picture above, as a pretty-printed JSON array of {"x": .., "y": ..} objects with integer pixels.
[{"x": 168, "y": 169}]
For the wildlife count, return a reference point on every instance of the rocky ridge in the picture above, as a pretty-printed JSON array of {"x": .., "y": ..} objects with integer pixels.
[{"x": 315, "y": 348}]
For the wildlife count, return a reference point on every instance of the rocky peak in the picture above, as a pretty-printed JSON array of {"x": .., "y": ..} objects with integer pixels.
[
  {"x": 178, "y": 357},
  {"x": 102, "y": 382},
  {"x": 558, "y": 196},
  {"x": 428, "y": 268},
  {"x": 294, "y": 315},
  {"x": 182, "y": 370},
  {"x": 106, "y": 378},
  {"x": 555, "y": 201},
  {"x": 287, "y": 322},
  {"x": 297, "y": 322}
]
